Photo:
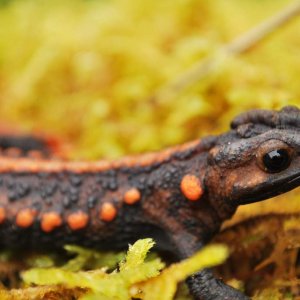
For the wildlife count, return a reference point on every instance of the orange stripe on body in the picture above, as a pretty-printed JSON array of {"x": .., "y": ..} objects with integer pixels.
[{"x": 8, "y": 164}]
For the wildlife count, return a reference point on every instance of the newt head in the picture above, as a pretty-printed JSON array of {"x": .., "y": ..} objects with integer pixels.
[{"x": 258, "y": 159}]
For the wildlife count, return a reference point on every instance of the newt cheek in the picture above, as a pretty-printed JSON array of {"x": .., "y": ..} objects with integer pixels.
[
  {"x": 234, "y": 185},
  {"x": 247, "y": 181}
]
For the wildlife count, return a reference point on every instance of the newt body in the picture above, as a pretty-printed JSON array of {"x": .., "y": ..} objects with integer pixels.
[{"x": 179, "y": 196}]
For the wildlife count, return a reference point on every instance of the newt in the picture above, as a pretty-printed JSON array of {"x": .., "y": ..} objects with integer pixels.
[{"x": 179, "y": 196}]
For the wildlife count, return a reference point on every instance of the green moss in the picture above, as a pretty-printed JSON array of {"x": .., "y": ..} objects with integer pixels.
[
  {"x": 90, "y": 259},
  {"x": 131, "y": 278}
]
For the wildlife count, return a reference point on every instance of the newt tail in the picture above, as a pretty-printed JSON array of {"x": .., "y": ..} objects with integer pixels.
[{"x": 179, "y": 196}]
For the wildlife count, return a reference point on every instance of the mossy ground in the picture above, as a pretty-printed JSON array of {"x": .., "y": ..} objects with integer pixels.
[{"x": 86, "y": 71}]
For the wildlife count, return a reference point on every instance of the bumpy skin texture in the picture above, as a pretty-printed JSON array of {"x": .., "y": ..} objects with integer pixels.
[{"x": 179, "y": 196}]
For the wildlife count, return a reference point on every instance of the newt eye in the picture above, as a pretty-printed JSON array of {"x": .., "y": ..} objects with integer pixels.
[{"x": 276, "y": 160}]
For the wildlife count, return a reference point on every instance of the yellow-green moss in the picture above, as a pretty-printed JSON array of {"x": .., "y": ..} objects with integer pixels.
[{"x": 132, "y": 277}]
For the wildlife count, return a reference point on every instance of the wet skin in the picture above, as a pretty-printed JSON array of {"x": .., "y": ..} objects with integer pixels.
[{"x": 179, "y": 196}]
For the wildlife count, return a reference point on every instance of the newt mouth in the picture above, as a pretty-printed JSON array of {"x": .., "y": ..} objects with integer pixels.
[{"x": 271, "y": 189}]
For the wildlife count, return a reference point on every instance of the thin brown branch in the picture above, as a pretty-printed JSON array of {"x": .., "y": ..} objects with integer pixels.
[{"x": 237, "y": 46}]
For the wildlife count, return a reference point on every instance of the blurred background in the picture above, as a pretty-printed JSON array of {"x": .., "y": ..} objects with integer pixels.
[{"x": 88, "y": 70}]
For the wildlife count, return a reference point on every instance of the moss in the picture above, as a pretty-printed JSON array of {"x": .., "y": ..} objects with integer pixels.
[{"x": 135, "y": 276}]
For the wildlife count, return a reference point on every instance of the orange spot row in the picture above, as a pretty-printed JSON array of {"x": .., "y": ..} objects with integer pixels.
[
  {"x": 191, "y": 187},
  {"x": 51, "y": 220},
  {"x": 76, "y": 220}
]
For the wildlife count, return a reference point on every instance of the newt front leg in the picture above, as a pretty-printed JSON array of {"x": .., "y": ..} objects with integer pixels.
[{"x": 202, "y": 285}]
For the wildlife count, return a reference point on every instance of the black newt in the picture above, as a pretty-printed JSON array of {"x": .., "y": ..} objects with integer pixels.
[{"x": 179, "y": 196}]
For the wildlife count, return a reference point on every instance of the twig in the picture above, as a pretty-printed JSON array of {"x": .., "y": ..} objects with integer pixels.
[{"x": 238, "y": 46}]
